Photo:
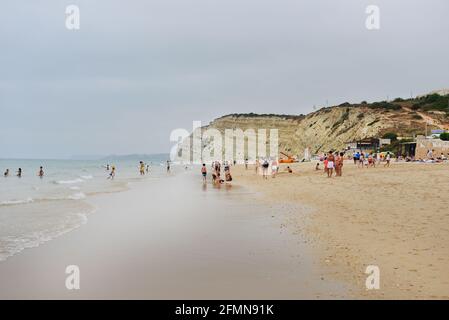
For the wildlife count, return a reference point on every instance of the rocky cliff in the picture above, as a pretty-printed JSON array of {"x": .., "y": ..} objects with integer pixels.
[{"x": 332, "y": 128}]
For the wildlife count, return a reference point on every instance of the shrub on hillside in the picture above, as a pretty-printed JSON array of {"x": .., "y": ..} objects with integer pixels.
[
  {"x": 390, "y": 135},
  {"x": 444, "y": 136},
  {"x": 384, "y": 105}
]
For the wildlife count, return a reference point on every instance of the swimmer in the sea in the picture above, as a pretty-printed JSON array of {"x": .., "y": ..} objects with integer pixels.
[
  {"x": 41, "y": 172},
  {"x": 112, "y": 174}
]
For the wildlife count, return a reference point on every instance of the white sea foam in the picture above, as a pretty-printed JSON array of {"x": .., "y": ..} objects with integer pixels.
[
  {"x": 69, "y": 181},
  {"x": 77, "y": 196},
  {"x": 87, "y": 177},
  {"x": 15, "y": 202},
  {"x": 11, "y": 245},
  {"x": 75, "y": 188}
]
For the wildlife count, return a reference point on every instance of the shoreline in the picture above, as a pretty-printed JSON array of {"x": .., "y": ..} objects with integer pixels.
[
  {"x": 389, "y": 217},
  {"x": 175, "y": 239}
]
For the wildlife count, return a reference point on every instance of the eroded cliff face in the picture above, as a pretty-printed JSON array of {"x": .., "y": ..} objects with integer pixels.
[{"x": 332, "y": 128}]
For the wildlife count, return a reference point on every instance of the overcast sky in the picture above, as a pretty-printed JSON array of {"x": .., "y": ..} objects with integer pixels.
[{"x": 138, "y": 69}]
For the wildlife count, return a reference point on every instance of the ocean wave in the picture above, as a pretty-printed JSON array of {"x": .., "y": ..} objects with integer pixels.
[
  {"x": 87, "y": 177},
  {"x": 12, "y": 245},
  {"x": 75, "y": 188},
  {"x": 77, "y": 196},
  {"x": 69, "y": 181},
  {"x": 16, "y": 202}
]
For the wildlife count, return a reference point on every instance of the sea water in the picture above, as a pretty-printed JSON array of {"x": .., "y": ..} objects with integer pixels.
[{"x": 34, "y": 210}]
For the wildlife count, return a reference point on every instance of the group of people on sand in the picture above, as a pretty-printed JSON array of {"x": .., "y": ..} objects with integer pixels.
[
  {"x": 265, "y": 164},
  {"x": 19, "y": 172},
  {"x": 367, "y": 159},
  {"x": 333, "y": 161},
  {"x": 432, "y": 158},
  {"x": 216, "y": 172}
]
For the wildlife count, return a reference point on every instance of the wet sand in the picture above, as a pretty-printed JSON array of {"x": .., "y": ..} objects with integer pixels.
[
  {"x": 173, "y": 238},
  {"x": 396, "y": 218}
]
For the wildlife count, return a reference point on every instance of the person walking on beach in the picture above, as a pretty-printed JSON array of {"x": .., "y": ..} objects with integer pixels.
[
  {"x": 246, "y": 164},
  {"x": 41, "y": 172},
  {"x": 387, "y": 159},
  {"x": 142, "y": 168},
  {"x": 6, "y": 173},
  {"x": 168, "y": 166},
  {"x": 204, "y": 172},
  {"x": 361, "y": 160},
  {"x": 265, "y": 166},
  {"x": 356, "y": 157},
  {"x": 148, "y": 168},
  {"x": 19, "y": 172},
  {"x": 330, "y": 164},
  {"x": 257, "y": 165}
]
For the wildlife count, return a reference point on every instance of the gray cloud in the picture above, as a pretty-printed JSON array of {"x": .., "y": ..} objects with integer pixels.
[{"x": 138, "y": 69}]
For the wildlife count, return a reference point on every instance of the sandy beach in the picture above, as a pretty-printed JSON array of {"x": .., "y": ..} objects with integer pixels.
[
  {"x": 396, "y": 218},
  {"x": 175, "y": 238},
  {"x": 296, "y": 236}
]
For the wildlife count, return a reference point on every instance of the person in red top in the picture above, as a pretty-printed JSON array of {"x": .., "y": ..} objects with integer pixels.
[{"x": 325, "y": 165}]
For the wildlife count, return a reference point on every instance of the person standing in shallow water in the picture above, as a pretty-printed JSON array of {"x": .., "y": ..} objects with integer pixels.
[
  {"x": 19, "y": 172},
  {"x": 168, "y": 166},
  {"x": 142, "y": 168},
  {"x": 204, "y": 172},
  {"x": 6, "y": 173},
  {"x": 112, "y": 173},
  {"x": 41, "y": 172}
]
